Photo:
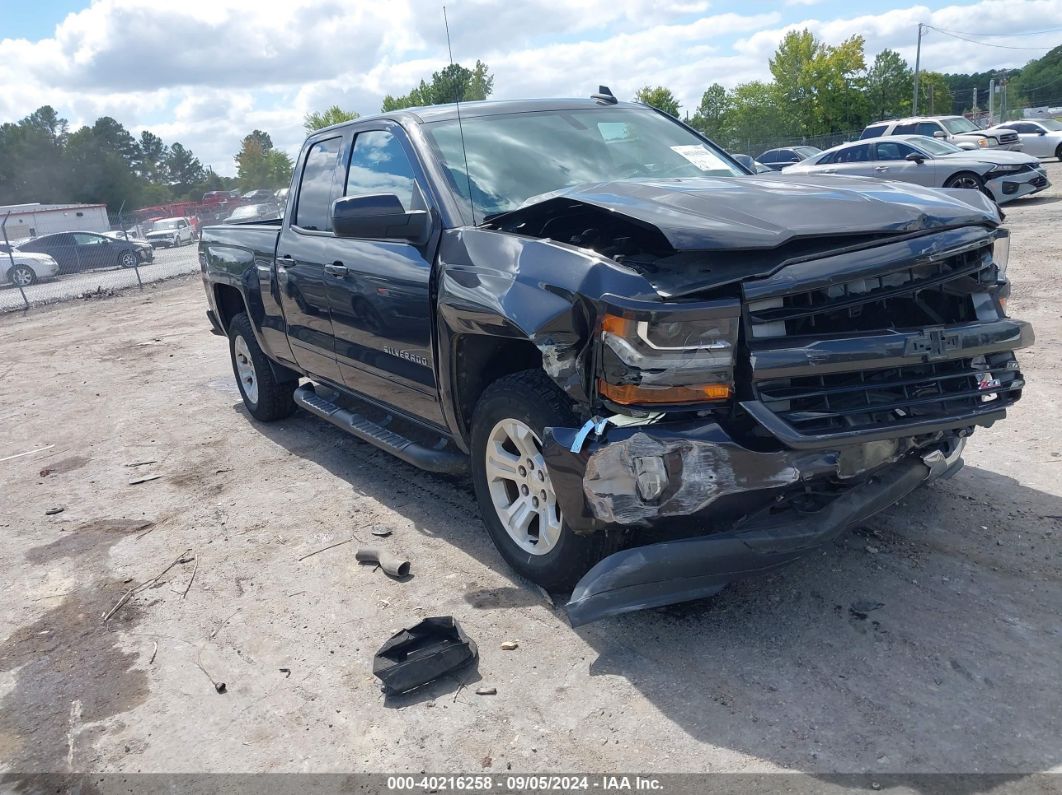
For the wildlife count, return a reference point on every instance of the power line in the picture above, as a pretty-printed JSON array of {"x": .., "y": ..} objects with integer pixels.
[
  {"x": 998, "y": 35},
  {"x": 986, "y": 43}
]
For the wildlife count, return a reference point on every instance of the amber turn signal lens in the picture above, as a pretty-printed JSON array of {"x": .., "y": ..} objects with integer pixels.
[
  {"x": 631, "y": 394},
  {"x": 615, "y": 324}
]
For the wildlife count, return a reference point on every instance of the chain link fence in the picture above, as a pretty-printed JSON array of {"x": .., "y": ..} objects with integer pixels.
[{"x": 87, "y": 265}]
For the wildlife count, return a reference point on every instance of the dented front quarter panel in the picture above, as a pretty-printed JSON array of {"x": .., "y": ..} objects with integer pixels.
[{"x": 497, "y": 284}]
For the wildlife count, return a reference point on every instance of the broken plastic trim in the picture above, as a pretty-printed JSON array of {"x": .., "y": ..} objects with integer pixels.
[
  {"x": 693, "y": 568},
  {"x": 414, "y": 657}
]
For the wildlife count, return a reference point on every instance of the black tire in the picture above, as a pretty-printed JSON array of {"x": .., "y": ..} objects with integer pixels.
[
  {"x": 274, "y": 400},
  {"x": 1058, "y": 152},
  {"x": 958, "y": 181},
  {"x": 127, "y": 259},
  {"x": 22, "y": 276},
  {"x": 531, "y": 398}
]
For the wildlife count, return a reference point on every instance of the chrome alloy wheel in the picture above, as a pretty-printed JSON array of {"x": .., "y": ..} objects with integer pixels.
[
  {"x": 968, "y": 182},
  {"x": 520, "y": 487},
  {"x": 245, "y": 369}
]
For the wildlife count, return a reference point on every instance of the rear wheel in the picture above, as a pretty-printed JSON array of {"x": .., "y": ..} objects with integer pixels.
[
  {"x": 1058, "y": 152},
  {"x": 516, "y": 497},
  {"x": 23, "y": 276},
  {"x": 266, "y": 398}
]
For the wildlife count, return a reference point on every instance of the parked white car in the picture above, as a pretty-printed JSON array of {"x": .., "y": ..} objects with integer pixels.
[
  {"x": 934, "y": 163},
  {"x": 171, "y": 232},
  {"x": 1039, "y": 137},
  {"x": 27, "y": 268},
  {"x": 957, "y": 130}
]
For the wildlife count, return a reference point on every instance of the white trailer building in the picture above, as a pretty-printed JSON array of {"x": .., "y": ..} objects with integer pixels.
[{"x": 33, "y": 220}]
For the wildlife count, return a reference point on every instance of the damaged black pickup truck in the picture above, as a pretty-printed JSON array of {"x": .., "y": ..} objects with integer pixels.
[{"x": 662, "y": 372}]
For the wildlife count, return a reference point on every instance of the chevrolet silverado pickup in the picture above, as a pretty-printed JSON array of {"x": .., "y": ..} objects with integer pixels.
[{"x": 661, "y": 372}]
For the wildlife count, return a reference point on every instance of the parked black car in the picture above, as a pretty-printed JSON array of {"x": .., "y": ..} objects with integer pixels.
[
  {"x": 662, "y": 372},
  {"x": 81, "y": 251},
  {"x": 777, "y": 159}
]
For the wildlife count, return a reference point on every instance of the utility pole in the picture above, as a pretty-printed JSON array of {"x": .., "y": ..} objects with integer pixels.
[
  {"x": 918, "y": 66},
  {"x": 973, "y": 106},
  {"x": 991, "y": 99}
]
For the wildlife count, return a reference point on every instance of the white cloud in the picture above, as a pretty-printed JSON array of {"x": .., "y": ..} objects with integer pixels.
[{"x": 206, "y": 72}]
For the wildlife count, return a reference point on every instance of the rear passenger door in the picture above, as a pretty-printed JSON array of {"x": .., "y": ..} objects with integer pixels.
[
  {"x": 303, "y": 249},
  {"x": 381, "y": 307},
  {"x": 854, "y": 161}
]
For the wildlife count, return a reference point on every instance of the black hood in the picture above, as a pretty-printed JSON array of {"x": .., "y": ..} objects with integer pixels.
[{"x": 765, "y": 211}]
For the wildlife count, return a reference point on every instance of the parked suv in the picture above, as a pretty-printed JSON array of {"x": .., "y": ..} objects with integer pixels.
[
  {"x": 663, "y": 373},
  {"x": 955, "y": 129},
  {"x": 171, "y": 232}
]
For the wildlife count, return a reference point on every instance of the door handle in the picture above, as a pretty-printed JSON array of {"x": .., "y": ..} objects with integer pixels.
[
  {"x": 881, "y": 168},
  {"x": 285, "y": 260},
  {"x": 337, "y": 268},
  {"x": 829, "y": 171}
]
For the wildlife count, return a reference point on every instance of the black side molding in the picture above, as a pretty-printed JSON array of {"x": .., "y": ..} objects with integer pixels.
[{"x": 447, "y": 462}]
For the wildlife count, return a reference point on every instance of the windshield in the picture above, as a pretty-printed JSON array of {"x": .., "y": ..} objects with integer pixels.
[
  {"x": 516, "y": 156},
  {"x": 1050, "y": 124},
  {"x": 807, "y": 151},
  {"x": 959, "y": 125},
  {"x": 932, "y": 146},
  {"x": 246, "y": 211},
  {"x": 161, "y": 226}
]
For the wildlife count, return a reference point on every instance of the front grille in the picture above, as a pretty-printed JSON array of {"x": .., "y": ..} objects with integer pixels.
[
  {"x": 1039, "y": 182},
  {"x": 914, "y": 294},
  {"x": 1008, "y": 138},
  {"x": 871, "y": 398}
]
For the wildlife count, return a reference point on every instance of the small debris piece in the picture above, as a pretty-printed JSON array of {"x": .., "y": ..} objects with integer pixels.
[
  {"x": 54, "y": 511},
  {"x": 421, "y": 654},
  {"x": 391, "y": 564},
  {"x": 141, "y": 463},
  {"x": 145, "y": 479},
  {"x": 154, "y": 651},
  {"x": 285, "y": 671},
  {"x": 219, "y": 687},
  {"x": 330, "y": 546},
  {"x": 510, "y": 645},
  {"x": 190, "y": 579},
  {"x": 486, "y": 761},
  {"x": 380, "y": 531},
  {"x": 146, "y": 584},
  {"x": 861, "y": 608},
  {"x": 872, "y": 550},
  {"x": 486, "y": 691},
  {"x": 46, "y": 472},
  {"x": 27, "y": 452}
]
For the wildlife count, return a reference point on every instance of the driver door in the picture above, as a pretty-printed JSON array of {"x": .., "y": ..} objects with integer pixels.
[{"x": 890, "y": 162}]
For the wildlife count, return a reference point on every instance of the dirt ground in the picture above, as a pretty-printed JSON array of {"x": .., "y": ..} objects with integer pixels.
[{"x": 928, "y": 641}]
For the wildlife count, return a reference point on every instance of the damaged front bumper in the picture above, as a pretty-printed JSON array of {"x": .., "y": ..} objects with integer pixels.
[{"x": 706, "y": 480}]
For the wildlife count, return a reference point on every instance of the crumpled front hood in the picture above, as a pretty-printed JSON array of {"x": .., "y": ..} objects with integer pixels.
[{"x": 766, "y": 210}]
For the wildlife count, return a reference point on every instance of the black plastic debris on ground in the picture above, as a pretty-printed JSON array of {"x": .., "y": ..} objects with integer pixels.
[{"x": 416, "y": 656}]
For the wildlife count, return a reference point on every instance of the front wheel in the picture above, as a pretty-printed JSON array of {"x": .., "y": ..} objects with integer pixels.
[
  {"x": 513, "y": 487},
  {"x": 967, "y": 180},
  {"x": 127, "y": 259},
  {"x": 266, "y": 398},
  {"x": 23, "y": 276}
]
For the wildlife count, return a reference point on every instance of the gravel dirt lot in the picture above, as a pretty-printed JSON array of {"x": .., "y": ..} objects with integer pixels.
[{"x": 928, "y": 641}]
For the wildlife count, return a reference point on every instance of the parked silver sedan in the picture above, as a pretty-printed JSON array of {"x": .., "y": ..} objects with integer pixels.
[
  {"x": 1040, "y": 137},
  {"x": 936, "y": 164}
]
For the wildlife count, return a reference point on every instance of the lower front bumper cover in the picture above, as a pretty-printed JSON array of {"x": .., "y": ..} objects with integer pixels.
[{"x": 693, "y": 568}]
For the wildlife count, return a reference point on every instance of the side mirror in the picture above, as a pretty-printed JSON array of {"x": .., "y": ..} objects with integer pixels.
[
  {"x": 380, "y": 216},
  {"x": 940, "y": 134},
  {"x": 914, "y": 157},
  {"x": 1043, "y": 132}
]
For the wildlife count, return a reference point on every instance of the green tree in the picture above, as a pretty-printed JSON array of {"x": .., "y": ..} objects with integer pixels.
[
  {"x": 754, "y": 117},
  {"x": 320, "y": 119},
  {"x": 934, "y": 94},
  {"x": 888, "y": 86},
  {"x": 712, "y": 113},
  {"x": 660, "y": 98},
  {"x": 454, "y": 83},
  {"x": 183, "y": 168},
  {"x": 1038, "y": 83},
  {"x": 839, "y": 77},
  {"x": 793, "y": 67},
  {"x": 151, "y": 157},
  {"x": 98, "y": 172},
  {"x": 259, "y": 165}
]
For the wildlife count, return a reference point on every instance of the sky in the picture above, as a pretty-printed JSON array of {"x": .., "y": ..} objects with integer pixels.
[{"x": 207, "y": 72}]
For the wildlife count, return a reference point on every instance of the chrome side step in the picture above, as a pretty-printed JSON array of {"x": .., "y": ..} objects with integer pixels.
[{"x": 448, "y": 462}]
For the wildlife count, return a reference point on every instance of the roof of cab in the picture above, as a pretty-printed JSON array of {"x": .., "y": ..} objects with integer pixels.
[{"x": 471, "y": 110}]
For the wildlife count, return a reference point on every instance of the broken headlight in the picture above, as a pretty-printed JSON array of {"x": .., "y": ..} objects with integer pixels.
[
  {"x": 1001, "y": 252},
  {"x": 652, "y": 355}
]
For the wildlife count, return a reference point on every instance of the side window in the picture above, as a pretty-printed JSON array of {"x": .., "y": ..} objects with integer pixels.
[
  {"x": 768, "y": 157},
  {"x": 83, "y": 239},
  {"x": 315, "y": 194},
  {"x": 908, "y": 129},
  {"x": 379, "y": 164},
  {"x": 1026, "y": 128},
  {"x": 929, "y": 128},
  {"x": 827, "y": 159},
  {"x": 854, "y": 154},
  {"x": 889, "y": 150},
  {"x": 874, "y": 131}
]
